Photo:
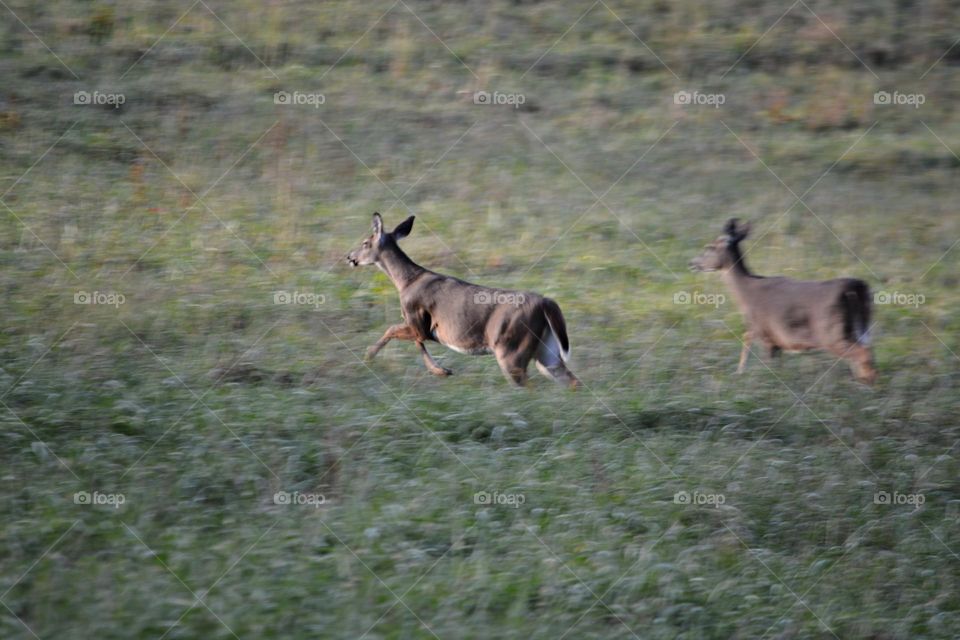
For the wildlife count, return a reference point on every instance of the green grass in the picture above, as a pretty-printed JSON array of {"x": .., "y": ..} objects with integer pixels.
[{"x": 198, "y": 398}]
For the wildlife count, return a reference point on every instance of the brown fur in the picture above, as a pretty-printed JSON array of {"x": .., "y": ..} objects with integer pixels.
[
  {"x": 794, "y": 315},
  {"x": 515, "y": 326}
]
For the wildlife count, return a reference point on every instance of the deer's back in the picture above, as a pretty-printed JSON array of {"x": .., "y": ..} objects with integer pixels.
[{"x": 469, "y": 317}]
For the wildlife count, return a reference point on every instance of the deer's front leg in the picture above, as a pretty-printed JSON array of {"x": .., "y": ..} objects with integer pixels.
[
  {"x": 747, "y": 338},
  {"x": 432, "y": 365},
  {"x": 398, "y": 331}
]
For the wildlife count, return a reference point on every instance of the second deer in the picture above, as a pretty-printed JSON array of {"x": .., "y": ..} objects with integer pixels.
[{"x": 793, "y": 315}]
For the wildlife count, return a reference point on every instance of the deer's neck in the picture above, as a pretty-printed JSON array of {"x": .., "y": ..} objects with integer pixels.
[
  {"x": 739, "y": 279},
  {"x": 399, "y": 267}
]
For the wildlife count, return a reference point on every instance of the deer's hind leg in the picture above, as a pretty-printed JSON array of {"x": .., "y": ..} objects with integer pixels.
[
  {"x": 560, "y": 374},
  {"x": 550, "y": 363},
  {"x": 860, "y": 358},
  {"x": 514, "y": 365}
]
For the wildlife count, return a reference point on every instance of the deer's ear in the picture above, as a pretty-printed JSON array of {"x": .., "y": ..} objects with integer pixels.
[
  {"x": 736, "y": 231},
  {"x": 731, "y": 228},
  {"x": 404, "y": 228},
  {"x": 377, "y": 225}
]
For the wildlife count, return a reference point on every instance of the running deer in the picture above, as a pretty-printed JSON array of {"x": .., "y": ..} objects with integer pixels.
[
  {"x": 515, "y": 326},
  {"x": 793, "y": 315}
]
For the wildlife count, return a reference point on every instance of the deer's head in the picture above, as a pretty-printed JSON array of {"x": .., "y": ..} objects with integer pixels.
[
  {"x": 372, "y": 247},
  {"x": 724, "y": 252}
]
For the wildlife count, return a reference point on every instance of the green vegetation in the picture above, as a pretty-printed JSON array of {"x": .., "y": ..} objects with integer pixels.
[{"x": 198, "y": 398}]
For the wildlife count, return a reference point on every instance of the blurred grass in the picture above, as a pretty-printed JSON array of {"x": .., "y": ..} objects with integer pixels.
[{"x": 199, "y": 398}]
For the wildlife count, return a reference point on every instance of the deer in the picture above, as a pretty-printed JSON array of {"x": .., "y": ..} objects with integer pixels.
[
  {"x": 793, "y": 315},
  {"x": 515, "y": 326}
]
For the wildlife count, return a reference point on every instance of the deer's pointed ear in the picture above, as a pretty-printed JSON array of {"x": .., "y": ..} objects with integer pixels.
[
  {"x": 736, "y": 231},
  {"x": 404, "y": 228},
  {"x": 377, "y": 225},
  {"x": 731, "y": 228}
]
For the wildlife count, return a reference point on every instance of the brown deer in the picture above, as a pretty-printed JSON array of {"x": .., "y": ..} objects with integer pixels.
[
  {"x": 793, "y": 315},
  {"x": 515, "y": 326}
]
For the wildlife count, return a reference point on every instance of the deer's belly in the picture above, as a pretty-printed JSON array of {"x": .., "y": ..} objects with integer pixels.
[
  {"x": 470, "y": 348},
  {"x": 470, "y": 351},
  {"x": 791, "y": 342}
]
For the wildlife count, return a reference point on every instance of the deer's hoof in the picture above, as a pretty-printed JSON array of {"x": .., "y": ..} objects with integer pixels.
[{"x": 442, "y": 372}]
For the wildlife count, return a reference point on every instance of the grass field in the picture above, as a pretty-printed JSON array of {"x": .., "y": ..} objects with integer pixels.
[{"x": 184, "y": 457}]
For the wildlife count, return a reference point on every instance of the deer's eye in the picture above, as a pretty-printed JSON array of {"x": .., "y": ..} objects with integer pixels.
[{"x": 366, "y": 243}]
